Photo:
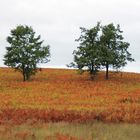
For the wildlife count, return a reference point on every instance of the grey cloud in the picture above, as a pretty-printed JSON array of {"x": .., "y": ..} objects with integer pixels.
[{"x": 58, "y": 22}]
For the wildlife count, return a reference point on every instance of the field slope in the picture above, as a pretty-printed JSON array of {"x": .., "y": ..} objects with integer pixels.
[{"x": 64, "y": 95}]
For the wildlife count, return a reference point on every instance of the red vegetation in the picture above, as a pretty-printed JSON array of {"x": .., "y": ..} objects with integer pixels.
[{"x": 63, "y": 95}]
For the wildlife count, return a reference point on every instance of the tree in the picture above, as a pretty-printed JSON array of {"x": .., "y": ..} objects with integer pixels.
[
  {"x": 25, "y": 51},
  {"x": 101, "y": 47},
  {"x": 87, "y": 54},
  {"x": 114, "y": 51}
]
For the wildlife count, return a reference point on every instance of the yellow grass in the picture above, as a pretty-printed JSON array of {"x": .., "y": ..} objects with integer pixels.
[{"x": 117, "y": 99}]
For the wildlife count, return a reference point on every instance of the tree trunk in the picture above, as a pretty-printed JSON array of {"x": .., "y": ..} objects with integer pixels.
[
  {"x": 27, "y": 76},
  {"x": 107, "y": 67},
  {"x": 23, "y": 73},
  {"x": 24, "y": 77},
  {"x": 92, "y": 72}
]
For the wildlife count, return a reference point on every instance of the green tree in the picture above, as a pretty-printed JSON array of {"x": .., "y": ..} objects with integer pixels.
[
  {"x": 101, "y": 47},
  {"x": 25, "y": 51},
  {"x": 87, "y": 53},
  {"x": 114, "y": 50}
]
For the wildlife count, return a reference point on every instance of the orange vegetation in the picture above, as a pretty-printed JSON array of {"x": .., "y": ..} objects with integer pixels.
[{"x": 65, "y": 95}]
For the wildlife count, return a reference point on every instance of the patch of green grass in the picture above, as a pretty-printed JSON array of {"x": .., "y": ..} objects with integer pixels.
[{"x": 84, "y": 131}]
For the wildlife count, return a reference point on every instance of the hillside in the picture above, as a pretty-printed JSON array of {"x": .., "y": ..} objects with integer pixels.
[{"x": 60, "y": 94}]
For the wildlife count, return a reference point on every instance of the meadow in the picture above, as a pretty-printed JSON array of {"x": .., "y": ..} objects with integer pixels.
[{"x": 60, "y": 98}]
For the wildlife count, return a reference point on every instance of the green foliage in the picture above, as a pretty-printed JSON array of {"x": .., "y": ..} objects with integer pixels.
[
  {"x": 88, "y": 51},
  {"x": 25, "y": 51},
  {"x": 101, "y": 47},
  {"x": 114, "y": 51}
]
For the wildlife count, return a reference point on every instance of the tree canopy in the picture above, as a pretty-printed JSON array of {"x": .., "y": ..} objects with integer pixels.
[
  {"x": 88, "y": 51},
  {"x": 101, "y": 47},
  {"x": 114, "y": 50},
  {"x": 26, "y": 50}
]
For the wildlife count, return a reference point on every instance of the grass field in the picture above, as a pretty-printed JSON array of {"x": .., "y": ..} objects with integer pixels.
[
  {"x": 60, "y": 95},
  {"x": 70, "y": 131}
]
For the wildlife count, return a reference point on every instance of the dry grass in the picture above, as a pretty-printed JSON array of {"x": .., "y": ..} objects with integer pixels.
[
  {"x": 71, "y": 131},
  {"x": 30, "y": 110},
  {"x": 59, "y": 94}
]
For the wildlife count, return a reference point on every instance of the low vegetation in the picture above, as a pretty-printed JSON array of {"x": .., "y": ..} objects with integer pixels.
[
  {"x": 59, "y": 104},
  {"x": 63, "y": 95},
  {"x": 69, "y": 131}
]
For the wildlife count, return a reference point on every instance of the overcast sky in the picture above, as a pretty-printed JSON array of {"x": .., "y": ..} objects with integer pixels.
[{"x": 58, "y": 22}]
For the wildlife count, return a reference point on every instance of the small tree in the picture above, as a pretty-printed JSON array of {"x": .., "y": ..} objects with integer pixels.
[
  {"x": 87, "y": 54},
  {"x": 114, "y": 51},
  {"x": 25, "y": 51}
]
